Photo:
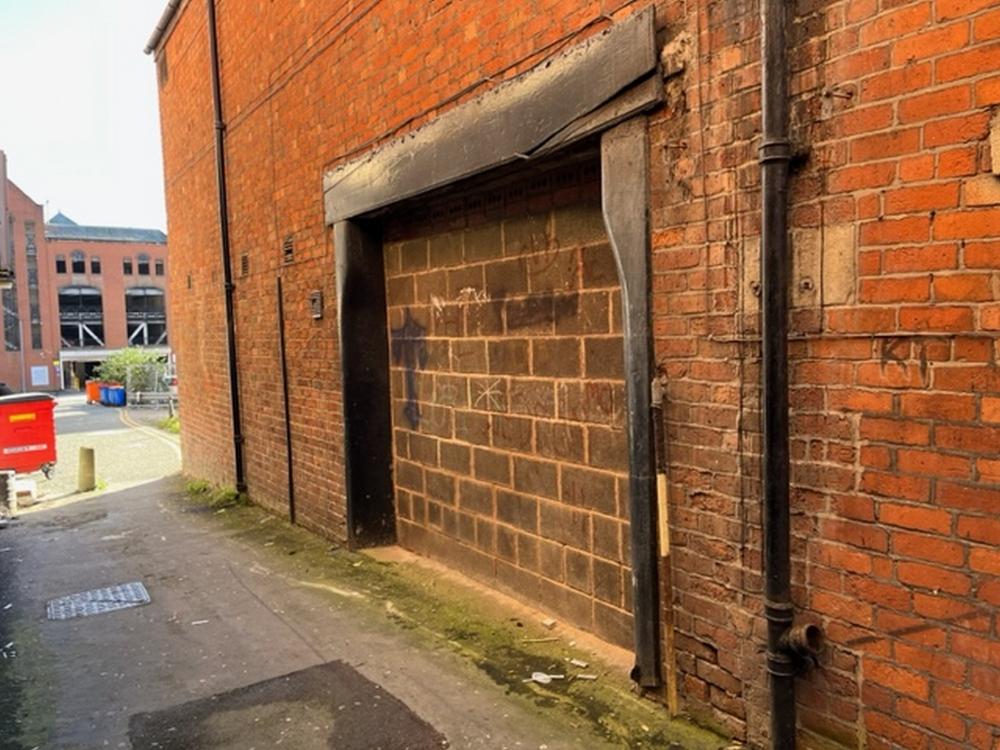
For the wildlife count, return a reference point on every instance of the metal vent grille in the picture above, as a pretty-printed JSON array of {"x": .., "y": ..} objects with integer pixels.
[
  {"x": 244, "y": 264},
  {"x": 98, "y": 601},
  {"x": 288, "y": 249}
]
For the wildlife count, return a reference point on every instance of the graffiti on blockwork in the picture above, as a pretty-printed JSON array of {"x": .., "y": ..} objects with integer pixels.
[{"x": 409, "y": 349}]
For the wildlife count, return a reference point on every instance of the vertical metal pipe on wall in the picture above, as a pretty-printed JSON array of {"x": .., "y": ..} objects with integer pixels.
[
  {"x": 227, "y": 271},
  {"x": 775, "y": 154},
  {"x": 283, "y": 361}
]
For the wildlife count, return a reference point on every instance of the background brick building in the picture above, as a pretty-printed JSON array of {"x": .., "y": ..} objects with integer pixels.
[
  {"x": 80, "y": 293},
  {"x": 110, "y": 289},
  {"x": 504, "y": 333}
]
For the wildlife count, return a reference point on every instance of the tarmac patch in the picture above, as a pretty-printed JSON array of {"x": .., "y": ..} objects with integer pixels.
[
  {"x": 327, "y": 706},
  {"x": 75, "y": 520}
]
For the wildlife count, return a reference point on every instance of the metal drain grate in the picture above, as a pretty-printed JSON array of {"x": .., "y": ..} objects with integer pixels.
[{"x": 98, "y": 601}]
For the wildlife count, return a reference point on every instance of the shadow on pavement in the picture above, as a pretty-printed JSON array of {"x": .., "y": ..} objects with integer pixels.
[{"x": 327, "y": 706}]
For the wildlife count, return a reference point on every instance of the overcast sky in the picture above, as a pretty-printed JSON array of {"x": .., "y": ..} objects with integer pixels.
[{"x": 78, "y": 108}]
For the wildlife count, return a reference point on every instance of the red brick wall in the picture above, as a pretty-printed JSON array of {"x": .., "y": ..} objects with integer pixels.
[
  {"x": 510, "y": 452},
  {"x": 12, "y": 370},
  {"x": 893, "y": 373},
  {"x": 195, "y": 297},
  {"x": 895, "y": 384}
]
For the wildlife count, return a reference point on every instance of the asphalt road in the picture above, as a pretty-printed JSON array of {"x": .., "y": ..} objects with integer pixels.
[
  {"x": 123, "y": 455},
  {"x": 231, "y": 651}
]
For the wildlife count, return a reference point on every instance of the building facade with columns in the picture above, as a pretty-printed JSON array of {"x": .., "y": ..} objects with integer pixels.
[{"x": 80, "y": 293}]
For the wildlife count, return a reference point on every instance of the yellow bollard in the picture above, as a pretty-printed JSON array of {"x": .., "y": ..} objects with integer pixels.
[{"x": 86, "y": 479}]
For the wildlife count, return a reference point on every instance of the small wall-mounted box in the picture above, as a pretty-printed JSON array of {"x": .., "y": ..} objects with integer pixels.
[{"x": 316, "y": 303}]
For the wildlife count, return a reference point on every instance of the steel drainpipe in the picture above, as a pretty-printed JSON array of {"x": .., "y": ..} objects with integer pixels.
[
  {"x": 775, "y": 154},
  {"x": 227, "y": 271},
  {"x": 283, "y": 361}
]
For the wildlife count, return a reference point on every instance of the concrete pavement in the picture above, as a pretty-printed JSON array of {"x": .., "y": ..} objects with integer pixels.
[{"x": 259, "y": 635}]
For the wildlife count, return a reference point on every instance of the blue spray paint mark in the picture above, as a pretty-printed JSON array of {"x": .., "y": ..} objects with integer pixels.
[{"x": 409, "y": 348}]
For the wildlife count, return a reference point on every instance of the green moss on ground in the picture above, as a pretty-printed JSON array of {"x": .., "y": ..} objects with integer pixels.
[
  {"x": 171, "y": 424},
  {"x": 443, "y": 614},
  {"x": 26, "y": 697},
  {"x": 218, "y": 497}
]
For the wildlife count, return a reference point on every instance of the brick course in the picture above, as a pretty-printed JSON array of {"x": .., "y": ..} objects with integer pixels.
[{"x": 895, "y": 387}]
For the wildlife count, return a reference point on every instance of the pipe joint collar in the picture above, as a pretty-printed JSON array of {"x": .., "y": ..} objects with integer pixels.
[
  {"x": 780, "y": 613},
  {"x": 775, "y": 151},
  {"x": 781, "y": 664}
]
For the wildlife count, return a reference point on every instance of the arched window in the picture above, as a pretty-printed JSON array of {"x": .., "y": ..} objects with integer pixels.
[
  {"x": 95, "y": 265},
  {"x": 81, "y": 316},
  {"x": 143, "y": 264},
  {"x": 79, "y": 261},
  {"x": 159, "y": 266},
  {"x": 127, "y": 266},
  {"x": 146, "y": 316},
  {"x": 60, "y": 264}
]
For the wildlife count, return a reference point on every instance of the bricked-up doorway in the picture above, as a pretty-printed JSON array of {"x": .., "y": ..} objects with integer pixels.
[
  {"x": 598, "y": 87},
  {"x": 508, "y": 398}
]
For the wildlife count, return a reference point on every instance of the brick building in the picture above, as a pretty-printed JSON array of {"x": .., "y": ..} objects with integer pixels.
[
  {"x": 431, "y": 336},
  {"x": 110, "y": 291},
  {"x": 80, "y": 294},
  {"x": 30, "y": 349}
]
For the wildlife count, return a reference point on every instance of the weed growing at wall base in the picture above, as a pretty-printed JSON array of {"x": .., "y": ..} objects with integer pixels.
[{"x": 218, "y": 497}]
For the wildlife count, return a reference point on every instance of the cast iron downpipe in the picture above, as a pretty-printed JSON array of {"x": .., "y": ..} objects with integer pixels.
[
  {"x": 283, "y": 361},
  {"x": 790, "y": 649},
  {"x": 227, "y": 272},
  {"x": 775, "y": 153}
]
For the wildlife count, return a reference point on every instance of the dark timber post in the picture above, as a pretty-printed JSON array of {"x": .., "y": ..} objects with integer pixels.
[
  {"x": 364, "y": 364},
  {"x": 625, "y": 199}
]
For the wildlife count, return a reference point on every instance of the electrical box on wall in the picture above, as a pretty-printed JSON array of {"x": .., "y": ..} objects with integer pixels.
[{"x": 316, "y": 303}]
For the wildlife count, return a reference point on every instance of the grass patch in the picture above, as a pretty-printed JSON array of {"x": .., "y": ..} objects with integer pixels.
[
  {"x": 171, "y": 424},
  {"x": 215, "y": 496},
  {"x": 440, "y": 614}
]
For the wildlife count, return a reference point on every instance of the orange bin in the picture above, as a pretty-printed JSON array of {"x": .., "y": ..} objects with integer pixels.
[
  {"x": 93, "y": 388},
  {"x": 27, "y": 433}
]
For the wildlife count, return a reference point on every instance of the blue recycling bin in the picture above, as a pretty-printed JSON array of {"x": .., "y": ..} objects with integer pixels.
[
  {"x": 116, "y": 395},
  {"x": 105, "y": 395}
]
